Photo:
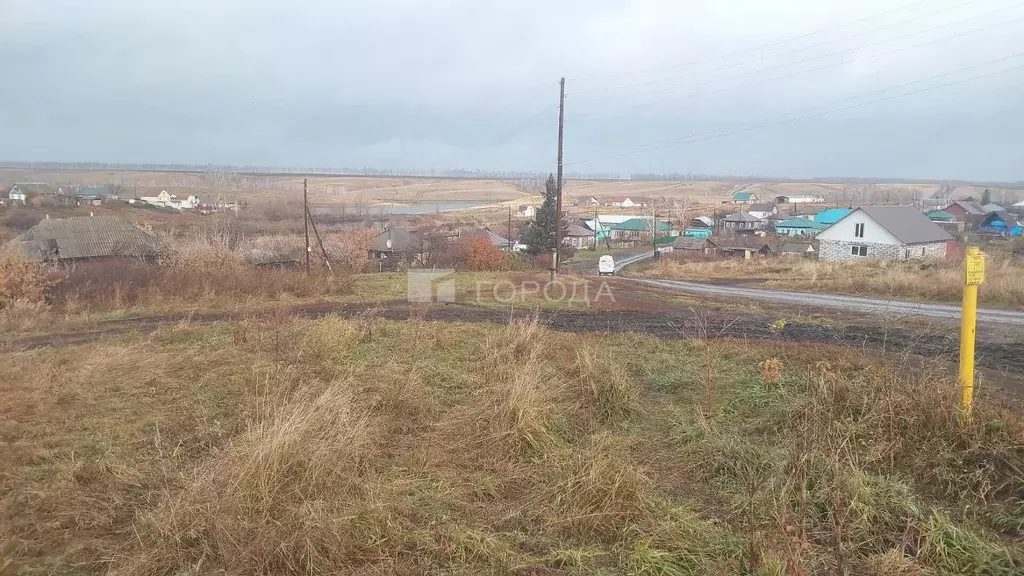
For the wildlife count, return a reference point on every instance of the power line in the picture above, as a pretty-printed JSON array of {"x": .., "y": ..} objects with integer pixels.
[
  {"x": 755, "y": 48},
  {"x": 805, "y": 48},
  {"x": 703, "y": 136},
  {"x": 793, "y": 74}
]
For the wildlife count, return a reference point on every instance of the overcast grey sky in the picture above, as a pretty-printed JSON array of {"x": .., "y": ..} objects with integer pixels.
[{"x": 473, "y": 84}]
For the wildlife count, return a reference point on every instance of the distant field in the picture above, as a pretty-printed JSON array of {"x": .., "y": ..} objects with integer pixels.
[{"x": 367, "y": 190}]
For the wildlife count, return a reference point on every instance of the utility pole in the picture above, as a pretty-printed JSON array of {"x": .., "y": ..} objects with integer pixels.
[
  {"x": 305, "y": 217},
  {"x": 558, "y": 181},
  {"x": 595, "y": 227},
  {"x": 510, "y": 229}
]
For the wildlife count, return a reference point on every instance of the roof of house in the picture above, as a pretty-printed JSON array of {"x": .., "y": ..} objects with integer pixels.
[
  {"x": 401, "y": 241},
  {"x": 940, "y": 215},
  {"x": 742, "y": 217},
  {"x": 906, "y": 223},
  {"x": 30, "y": 188},
  {"x": 969, "y": 207},
  {"x": 684, "y": 243},
  {"x": 742, "y": 243},
  {"x": 743, "y": 196},
  {"x": 579, "y": 231},
  {"x": 92, "y": 191},
  {"x": 992, "y": 207},
  {"x": 641, "y": 225},
  {"x": 795, "y": 248},
  {"x": 704, "y": 220},
  {"x": 524, "y": 207},
  {"x": 832, "y": 215},
  {"x": 801, "y": 223},
  {"x": 764, "y": 207},
  {"x": 1009, "y": 219},
  {"x": 85, "y": 237},
  {"x": 620, "y": 198},
  {"x": 486, "y": 234}
]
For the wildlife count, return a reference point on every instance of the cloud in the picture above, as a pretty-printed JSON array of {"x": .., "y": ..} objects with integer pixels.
[{"x": 468, "y": 84}]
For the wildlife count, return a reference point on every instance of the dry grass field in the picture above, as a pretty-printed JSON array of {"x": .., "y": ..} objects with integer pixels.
[{"x": 373, "y": 447}]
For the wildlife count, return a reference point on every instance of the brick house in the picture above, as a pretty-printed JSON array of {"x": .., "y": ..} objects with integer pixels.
[{"x": 883, "y": 233}]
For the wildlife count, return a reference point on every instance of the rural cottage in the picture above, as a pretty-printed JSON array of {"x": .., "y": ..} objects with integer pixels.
[{"x": 883, "y": 233}]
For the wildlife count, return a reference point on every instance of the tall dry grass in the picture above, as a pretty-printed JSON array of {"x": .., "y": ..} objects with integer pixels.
[
  {"x": 939, "y": 280},
  {"x": 364, "y": 446}
]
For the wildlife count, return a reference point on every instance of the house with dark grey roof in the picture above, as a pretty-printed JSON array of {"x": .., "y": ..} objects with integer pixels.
[
  {"x": 883, "y": 233},
  {"x": 85, "y": 237},
  {"x": 743, "y": 222},
  {"x": 392, "y": 247}
]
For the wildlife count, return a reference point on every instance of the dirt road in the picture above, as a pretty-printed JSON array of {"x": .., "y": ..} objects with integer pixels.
[{"x": 888, "y": 308}]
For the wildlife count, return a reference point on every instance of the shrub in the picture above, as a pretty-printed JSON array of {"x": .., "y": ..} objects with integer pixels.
[{"x": 21, "y": 280}]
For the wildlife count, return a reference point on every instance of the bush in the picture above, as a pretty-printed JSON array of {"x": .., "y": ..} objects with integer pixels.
[{"x": 21, "y": 280}]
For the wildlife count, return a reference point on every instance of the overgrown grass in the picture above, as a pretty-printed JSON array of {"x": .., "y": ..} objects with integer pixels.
[
  {"x": 368, "y": 447},
  {"x": 938, "y": 280}
]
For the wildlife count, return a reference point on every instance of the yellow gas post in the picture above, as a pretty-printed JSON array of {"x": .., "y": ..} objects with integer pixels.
[{"x": 974, "y": 275}]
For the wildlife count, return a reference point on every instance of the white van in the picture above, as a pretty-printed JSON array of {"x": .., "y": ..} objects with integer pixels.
[{"x": 606, "y": 266}]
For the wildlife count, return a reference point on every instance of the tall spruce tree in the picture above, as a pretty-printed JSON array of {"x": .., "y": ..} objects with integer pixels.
[
  {"x": 986, "y": 197},
  {"x": 539, "y": 235}
]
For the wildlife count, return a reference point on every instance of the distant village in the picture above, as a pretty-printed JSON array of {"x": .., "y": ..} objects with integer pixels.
[
  {"x": 19, "y": 193},
  {"x": 743, "y": 226}
]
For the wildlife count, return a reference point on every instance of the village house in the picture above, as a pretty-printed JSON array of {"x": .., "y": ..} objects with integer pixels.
[
  {"x": 688, "y": 246},
  {"x": 1002, "y": 223},
  {"x": 527, "y": 211},
  {"x": 798, "y": 200},
  {"x": 762, "y": 211},
  {"x": 830, "y": 216},
  {"x": 883, "y": 233},
  {"x": 622, "y": 202},
  {"x": 799, "y": 227},
  {"x": 85, "y": 238},
  {"x": 495, "y": 240},
  {"x": 393, "y": 247},
  {"x": 16, "y": 195},
  {"x": 579, "y": 237},
  {"x": 744, "y": 198},
  {"x": 992, "y": 207},
  {"x": 963, "y": 211},
  {"x": 805, "y": 250},
  {"x": 743, "y": 222},
  {"x": 637, "y": 229}
]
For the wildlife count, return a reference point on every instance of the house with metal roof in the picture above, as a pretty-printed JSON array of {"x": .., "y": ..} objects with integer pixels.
[
  {"x": 883, "y": 233},
  {"x": 744, "y": 198},
  {"x": 84, "y": 238},
  {"x": 799, "y": 227},
  {"x": 579, "y": 237},
  {"x": 940, "y": 216},
  {"x": 636, "y": 228},
  {"x": 1002, "y": 223},
  {"x": 743, "y": 222},
  {"x": 831, "y": 216}
]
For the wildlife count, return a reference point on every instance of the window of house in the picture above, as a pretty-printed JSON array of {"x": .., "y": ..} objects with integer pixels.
[
  {"x": 858, "y": 230},
  {"x": 859, "y": 250}
]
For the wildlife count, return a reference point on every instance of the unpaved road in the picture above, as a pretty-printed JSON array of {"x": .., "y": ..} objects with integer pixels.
[{"x": 888, "y": 308}]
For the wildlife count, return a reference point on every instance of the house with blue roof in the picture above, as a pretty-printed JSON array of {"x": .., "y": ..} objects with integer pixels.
[
  {"x": 799, "y": 227},
  {"x": 832, "y": 215}
]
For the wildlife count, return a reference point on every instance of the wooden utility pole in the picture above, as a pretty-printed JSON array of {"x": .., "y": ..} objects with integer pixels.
[
  {"x": 305, "y": 217},
  {"x": 558, "y": 181},
  {"x": 509, "y": 229},
  {"x": 323, "y": 251},
  {"x": 595, "y": 227}
]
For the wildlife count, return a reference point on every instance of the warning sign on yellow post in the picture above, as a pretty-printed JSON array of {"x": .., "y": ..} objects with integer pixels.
[{"x": 975, "y": 264}]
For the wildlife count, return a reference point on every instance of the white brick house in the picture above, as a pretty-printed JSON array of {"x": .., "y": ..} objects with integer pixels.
[{"x": 883, "y": 233}]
